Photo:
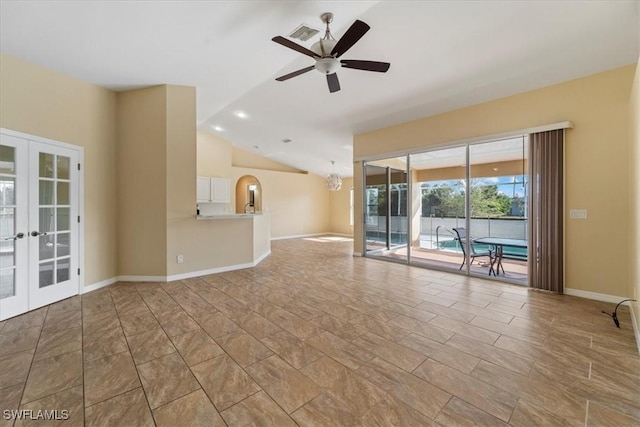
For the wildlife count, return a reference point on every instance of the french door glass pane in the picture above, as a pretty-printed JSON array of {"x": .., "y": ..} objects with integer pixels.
[
  {"x": 62, "y": 269},
  {"x": 46, "y": 220},
  {"x": 46, "y": 249},
  {"x": 62, "y": 193},
  {"x": 46, "y": 192},
  {"x": 46, "y": 274},
  {"x": 63, "y": 167},
  {"x": 7, "y": 160},
  {"x": 7, "y": 190},
  {"x": 7, "y": 222},
  {"x": 62, "y": 244},
  {"x": 63, "y": 219},
  {"x": 7, "y": 283},
  {"x": 7, "y": 254},
  {"x": 46, "y": 165}
]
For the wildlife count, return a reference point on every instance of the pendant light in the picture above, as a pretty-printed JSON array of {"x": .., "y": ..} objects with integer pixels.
[{"x": 333, "y": 180}]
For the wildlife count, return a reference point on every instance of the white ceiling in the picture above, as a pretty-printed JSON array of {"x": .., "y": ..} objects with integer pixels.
[{"x": 443, "y": 54}]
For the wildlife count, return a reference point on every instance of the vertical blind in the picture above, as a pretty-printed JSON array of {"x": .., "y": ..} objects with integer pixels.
[{"x": 546, "y": 211}]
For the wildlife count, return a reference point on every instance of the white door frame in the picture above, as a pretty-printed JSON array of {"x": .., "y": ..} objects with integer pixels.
[{"x": 80, "y": 153}]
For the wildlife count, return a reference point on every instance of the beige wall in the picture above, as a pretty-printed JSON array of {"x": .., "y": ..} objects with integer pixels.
[
  {"x": 213, "y": 156},
  {"x": 298, "y": 203},
  {"x": 634, "y": 198},
  {"x": 181, "y": 176},
  {"x": 142, "y": 182},
  {"x": 45, "y": 103},
  {"x": 245, "y": 159},
  {"x": 340, "y": 216},
  {"x": 597, "y": 166}
]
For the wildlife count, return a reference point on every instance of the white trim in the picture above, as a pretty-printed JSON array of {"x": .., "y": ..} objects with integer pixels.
[
  {"x": 474, "y": 140},
  {"x": 81, "y": 277},
  {"x": 636, "y": 327},
  {"x": 40, "y": 139},
  {"x": 189, "y": 275},
  {"x": 261, "y": 258},
  {"x": 98, "y": 285},
  {"x": 142, "y": 278},
  {"x": 595, "y": 296},
  {"x": 299, "y": 236}
]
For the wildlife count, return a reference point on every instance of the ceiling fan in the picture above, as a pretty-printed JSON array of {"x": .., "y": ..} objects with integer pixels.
[{"x": 327, "y": 51}]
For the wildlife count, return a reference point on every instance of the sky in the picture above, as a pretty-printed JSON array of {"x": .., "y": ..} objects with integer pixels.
[{"x": 505, "y": 184}]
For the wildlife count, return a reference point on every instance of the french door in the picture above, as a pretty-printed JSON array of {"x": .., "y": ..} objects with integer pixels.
[{"x": 39, "y": 230}]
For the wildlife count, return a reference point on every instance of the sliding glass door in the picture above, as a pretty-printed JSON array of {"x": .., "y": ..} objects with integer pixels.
[
  {"x": 498, "y": 206},
  {"x": 461, "y": 208},
  {"x": 386, "y": 206},
  {"x": 439, "y": 210}
]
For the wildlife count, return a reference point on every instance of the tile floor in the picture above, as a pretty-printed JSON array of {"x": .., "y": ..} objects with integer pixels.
[{"x": 314, "y": 336}]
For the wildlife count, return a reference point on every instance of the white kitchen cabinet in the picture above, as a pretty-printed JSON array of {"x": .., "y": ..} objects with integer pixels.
[
  {"x": 220, "y": 190},
  {"x": 213, "y": 190}
]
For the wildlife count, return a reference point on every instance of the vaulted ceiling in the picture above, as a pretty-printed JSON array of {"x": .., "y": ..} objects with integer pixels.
[{"x": 444, "y": 55}]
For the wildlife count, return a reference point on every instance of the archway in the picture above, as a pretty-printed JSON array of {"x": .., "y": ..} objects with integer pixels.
[{"x": 248, "y": 195}]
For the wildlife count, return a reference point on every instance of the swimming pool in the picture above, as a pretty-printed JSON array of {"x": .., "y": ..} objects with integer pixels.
[{"x": 453, "y": 246}]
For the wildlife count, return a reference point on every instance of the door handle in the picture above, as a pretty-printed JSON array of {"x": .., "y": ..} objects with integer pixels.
[
  {"x": 16, "y": 237},
  {"x": 37, "y": 233}
]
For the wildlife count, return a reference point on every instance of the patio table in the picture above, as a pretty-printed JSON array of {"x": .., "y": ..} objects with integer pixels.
[{"x": 499, "y": 243}]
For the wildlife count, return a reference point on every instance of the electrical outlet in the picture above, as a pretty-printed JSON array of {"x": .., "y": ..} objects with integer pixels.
[
  {"x": 578, "y": 214},
  {"x": 180, "y": 259}
]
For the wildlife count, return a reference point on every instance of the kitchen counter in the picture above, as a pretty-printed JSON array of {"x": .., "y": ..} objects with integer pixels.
[{"x": 227, "y": 216}]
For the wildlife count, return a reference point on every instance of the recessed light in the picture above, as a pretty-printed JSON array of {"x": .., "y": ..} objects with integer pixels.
[
  {"x": 286, "y": 140},
  {"x": 218, "y": 128},
  {"x": 241, "y": 114}
]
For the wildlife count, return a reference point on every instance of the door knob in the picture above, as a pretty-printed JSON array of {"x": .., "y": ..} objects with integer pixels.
[
  {"x": 16, "y": 237},
  {"x": 37, "y": 233}
]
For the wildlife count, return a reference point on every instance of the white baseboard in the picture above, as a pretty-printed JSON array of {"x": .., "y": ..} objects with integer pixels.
[
  {"x": 261, "y": 257},
  {"x": 182, "y": 276},
  {"x": 98, "y": 285},
  {"x": 595, "y": 296},
  {"x": 300, "y": 236}
]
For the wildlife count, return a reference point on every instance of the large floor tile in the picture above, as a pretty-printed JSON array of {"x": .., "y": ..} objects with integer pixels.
[
  {"x": 258, "y": 410},
  {"x": 49, "y": 376},
  {"x": 194, "y": 409},
  {"x": 165, "y": 379},
  {"x": 128, "y": 409},
  {"x": 285, "y": 385},
  {"x": 108, "y": 377},
  {"x": 224, "y": 381}
]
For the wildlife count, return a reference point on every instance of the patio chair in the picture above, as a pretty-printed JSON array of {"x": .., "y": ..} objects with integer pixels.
[{"x": 461, "y": 234}]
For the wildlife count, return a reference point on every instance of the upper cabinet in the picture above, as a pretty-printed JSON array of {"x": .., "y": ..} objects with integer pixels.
[{"x": 213, "y": 190}]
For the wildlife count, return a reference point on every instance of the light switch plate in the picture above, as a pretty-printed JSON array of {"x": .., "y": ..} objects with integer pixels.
[{"x": 578, "y": 214}]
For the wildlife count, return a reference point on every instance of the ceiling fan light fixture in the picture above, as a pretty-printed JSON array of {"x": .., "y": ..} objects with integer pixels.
[{"x": 327, "y": 65}]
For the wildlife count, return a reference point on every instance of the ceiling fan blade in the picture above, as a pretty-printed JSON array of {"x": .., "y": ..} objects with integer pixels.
[
  {"x": 380, "y": 67},
  {"x": 333, "y": 82},
  {"x": 353, "y": 34},
  {"x": 291, "y": 45},
  {"x": 295, "y": 73}
]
